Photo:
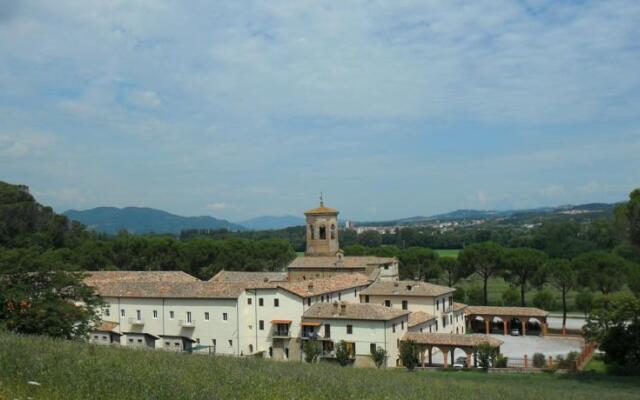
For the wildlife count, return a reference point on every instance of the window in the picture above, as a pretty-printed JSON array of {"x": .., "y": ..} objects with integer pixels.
[
  {"x": 171, "y": 315},
  {"x": 130, "y": 340},
  {"x": 438, "y": 304},
  {"x": 206, "y": 316},
  {"x": 339, "y": 296},
  {"x": 444, "y": 321},
  {"x": 188, "y": 316},
  {"x": 366, "y": 298},
  {"x": 451, "y": 319},
  {"x": 386, "y": 266},
  {"x": 405, "y": 305},
  {"x": 323, "y": 232},
  {"x": 312, "y": 232},
  {"x": 138, "y": 315},
  {"x": 95, "y": 336},
  {"x": 261, "y": 302},
  {"x": 155, "y": 314},
  {"x": 225, "y": 317},
  {"x": 107, "y": 312},
  {"x": 309, "y": 301},
  {"x": 276, "y": 302},
  {"x": 261, "y": 325},
  {"x": 249, "y": 300},
  {"x": 214, "y": 342},
  {"x": 436, "y": 325},
  {"x": 167, "y": 344},
  {"x": 322, "y": 298},
  {"x": 401, "y": 325},
  {"x": 355, "y": 292},
  {"x": 333, "y": 231},
  {"x": 349, "y": 329},
  {"x": 122, "y": 312},
  {"x": 372, "y": 348},
  {"x": 250, "y": 348},
  {"x": 420, "y": 330},
  {"x": 286, "y": 352},
  {"x": 230, "y": 343},
  {"x": 139, "y": 340},
  {"x": 450, "y": 301},
  {"x": 270, "y": 352},
  {"x": 387, "y": 303},
  {"x": 393, "y": 328},
  {"x": 327, "y": 330}
]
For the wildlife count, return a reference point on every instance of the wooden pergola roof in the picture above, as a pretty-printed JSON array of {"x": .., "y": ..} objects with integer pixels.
[
  {"x": 529, "y": 312},
  {"x": 451, "y": 340}
]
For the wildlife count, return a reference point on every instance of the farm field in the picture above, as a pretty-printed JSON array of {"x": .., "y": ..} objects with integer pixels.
[{"x": 74, "y": 370}]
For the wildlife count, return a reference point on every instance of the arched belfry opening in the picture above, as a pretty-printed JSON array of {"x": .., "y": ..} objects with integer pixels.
[{"x": 322, "y": 232}]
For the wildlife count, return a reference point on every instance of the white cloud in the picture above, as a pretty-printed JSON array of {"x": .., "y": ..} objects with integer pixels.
[
  {"x": 144, "y": 99},
  {"x": 24, "y": 144},
  {"x": 217, "y": 206}
]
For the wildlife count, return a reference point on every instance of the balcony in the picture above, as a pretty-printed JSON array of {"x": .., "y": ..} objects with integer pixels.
[
  {"x": 281, "y": 334},
  {"x": 187, "y": 324},
  {"x": 136, "y": 321}
]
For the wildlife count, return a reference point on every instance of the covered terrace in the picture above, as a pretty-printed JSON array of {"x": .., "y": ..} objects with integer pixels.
[
  {"x": 516, "y": 317},
  {"x": 447, "y": 343}
]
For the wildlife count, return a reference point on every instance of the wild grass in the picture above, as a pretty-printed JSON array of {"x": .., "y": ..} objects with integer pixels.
[
  {"x": 448, "y": 252},
  {"x": 72, "y": 370}
]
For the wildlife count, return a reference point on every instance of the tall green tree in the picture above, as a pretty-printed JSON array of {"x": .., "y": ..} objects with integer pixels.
[
  {"x": 452, "y": 270},
  {"x": 602, "y": 271},
  {"x": 560, "y": 273},
  {"x": 484, "y": 259},
  {"x": 55, "y": 303},
  {"x": 521, "y": 265},
  {"x": 419, "y": 263},
  {"x": 633, "y": 216}
]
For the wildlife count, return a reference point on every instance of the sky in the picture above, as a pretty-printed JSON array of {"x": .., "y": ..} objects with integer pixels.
[{"x": 238, "y": 109}]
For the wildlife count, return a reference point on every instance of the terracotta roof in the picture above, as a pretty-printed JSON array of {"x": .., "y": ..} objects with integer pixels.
[
  {"x": 419, "y": 317},
  {"x": 187, "y": 290},
  {"x": 241, "y": 276},
  {"x": 406, "y": 288},
  {"x": 106, "y": 326},
  {"x": 334, "y": 262},
  {"x": 345, "y": 310},
  {"x": 459, "y": 306},
  {"x": 321, "y": 210},
  {"x": 450, "y": 339},
  {"x": 316, "y": 287},
  {"x": 506, "y": 311},
  {"x": 138, "y": 276}
]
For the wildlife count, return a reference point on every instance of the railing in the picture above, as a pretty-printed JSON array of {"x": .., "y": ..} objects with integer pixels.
[
  {"x": 585, "y": 355},
  {"x": 136, "y": 321},
  {"x": 281, "y": 333},
  {"x": 187, "y": 324}
]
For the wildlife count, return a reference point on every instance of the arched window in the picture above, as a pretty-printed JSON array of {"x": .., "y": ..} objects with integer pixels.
[
  {"x": 333, "y": 232},
  {"x": 312, "y": 232},
  {"x": 323, "y": 232}
]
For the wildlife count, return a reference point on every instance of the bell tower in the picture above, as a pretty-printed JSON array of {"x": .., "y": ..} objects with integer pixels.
[{"x": 322, "y": 231}]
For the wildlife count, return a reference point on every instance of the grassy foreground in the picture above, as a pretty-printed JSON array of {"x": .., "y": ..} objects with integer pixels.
[{"x": 68, "y": 370}]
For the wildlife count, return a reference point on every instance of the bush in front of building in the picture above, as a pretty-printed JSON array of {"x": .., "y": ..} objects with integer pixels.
[
  {"x": 501, "y": 361},
  {"x": 342, "y": 353},
  {"x": 409, "y": 354},
  {"x": 567, "y": 362},
  {"x": 486, "y": 355},
  {"x": 378, "y": 355},
  {"x": 311, "y": 350},
  {"x": 539, "y": 360}
]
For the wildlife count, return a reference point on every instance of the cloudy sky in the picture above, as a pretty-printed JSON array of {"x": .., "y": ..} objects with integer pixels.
[{"x": 391, "y": 108}]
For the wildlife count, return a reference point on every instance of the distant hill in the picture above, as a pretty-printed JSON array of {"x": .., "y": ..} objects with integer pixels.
[
  {"x": 142, "y": 220},
  {"x": 270, "y": 223},
  {"x": 566, "y": 212}
]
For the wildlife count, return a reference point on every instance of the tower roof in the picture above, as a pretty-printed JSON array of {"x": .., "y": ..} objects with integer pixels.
[{"x": 322, "y": 209}]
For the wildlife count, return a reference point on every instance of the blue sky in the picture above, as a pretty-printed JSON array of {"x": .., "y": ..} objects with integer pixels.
[{"x": 391, "y": 108}]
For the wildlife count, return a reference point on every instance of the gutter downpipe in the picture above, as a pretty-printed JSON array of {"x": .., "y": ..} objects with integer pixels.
[
  {"x": 238, "y": 323},
  {"x": 385, "y": 344}
]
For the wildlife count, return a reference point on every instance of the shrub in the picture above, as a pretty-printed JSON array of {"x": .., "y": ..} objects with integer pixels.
[
  {"x": 378, "y": 355},
  {"x": 539, "y": 360},
  {"x": 567, "y": 362},
  {"x": 510, "y": 297},
  {"x": 311, "y": 350},
  {"x": 409, "y": 354},
  {"x": 501, "y": 361},
  {"x": 342, "y": 353},
  {"x": 486, "y": 355},
  {"x": 543, "y": 299}
]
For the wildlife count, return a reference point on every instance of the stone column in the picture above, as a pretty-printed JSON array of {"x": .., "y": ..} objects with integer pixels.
[
  {"x": 524, "y": 327},
  {"x": 487, "y": 324},
  {"x": 544, "y": 328},
  {"x": 422, "y": 357},
  {"x": 468, "y": 359},
  {"x": 430, "y": 356},
  {"x": 445, "y": 354},
  {"x": 526, "y": 361},
  {"x": 505, "y": 326}
]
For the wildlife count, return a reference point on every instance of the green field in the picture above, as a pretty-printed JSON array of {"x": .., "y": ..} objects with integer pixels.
[
  {"x": 447, "y": 252},
  {"x": 72, "y": 370}
]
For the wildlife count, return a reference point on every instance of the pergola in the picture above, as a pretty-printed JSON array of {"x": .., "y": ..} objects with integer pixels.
[
  {"x": 506, "y": 314},
  {"x": 448, "y": 342}
]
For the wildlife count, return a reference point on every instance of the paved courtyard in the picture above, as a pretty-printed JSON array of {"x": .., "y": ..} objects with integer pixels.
[{"x": 518, "y": 346}]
